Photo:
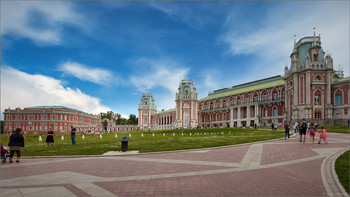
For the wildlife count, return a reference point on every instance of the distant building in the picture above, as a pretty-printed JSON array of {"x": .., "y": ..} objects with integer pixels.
[
  {"x": 41, "y": 118},
  {"x": 309, "y": 89}
]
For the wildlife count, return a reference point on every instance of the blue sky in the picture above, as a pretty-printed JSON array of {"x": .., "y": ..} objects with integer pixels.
[{"x": 99, "y": 56}]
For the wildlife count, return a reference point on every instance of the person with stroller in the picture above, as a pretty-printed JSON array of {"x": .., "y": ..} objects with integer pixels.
[
  {"x": 3, "y": 153},
  {"x": 16, "y": 143}
]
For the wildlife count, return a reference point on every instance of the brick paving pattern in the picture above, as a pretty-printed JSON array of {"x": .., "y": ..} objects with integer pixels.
[{"x": 272, "y": 168}]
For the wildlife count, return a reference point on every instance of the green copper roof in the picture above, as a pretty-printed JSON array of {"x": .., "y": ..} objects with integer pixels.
[
  {"x": 165, "y": 112},
  {"x": 343, "y": 80},
  {"x": 246, "y": 87}
]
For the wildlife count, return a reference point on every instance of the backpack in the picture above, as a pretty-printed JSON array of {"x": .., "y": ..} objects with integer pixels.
[{"x": 304, "y": 126}]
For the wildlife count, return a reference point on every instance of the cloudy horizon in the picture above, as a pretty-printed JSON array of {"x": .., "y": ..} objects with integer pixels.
[{"x": 101, "y": 56}]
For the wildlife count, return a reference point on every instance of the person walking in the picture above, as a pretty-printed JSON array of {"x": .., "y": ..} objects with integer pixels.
[
  {"x": 272, "y": 126},
  {"x": 323, "y": 135},
  {"x": 303, "y": 127},
  {"x": 312, "y": 133},
  {"x": 49, "y": 139},
  {"x": 72, "y": 135},
  {"x": 296, "y": 127},
  {"x": 16, "y": 144},
  {"x": 275, "y": 125},
  {"x": 286, "y": 131}
]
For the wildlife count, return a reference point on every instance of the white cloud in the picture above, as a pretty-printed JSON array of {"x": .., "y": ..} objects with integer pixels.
[
  {"x": 20, "y": 19},
  {"x": 195, "y": 15},
  {"x": 94, "y": 75},
  {"x": 155, "y": 74},
  {"x": 20, "y": 89},
  {"x": 158, "y": 73},
  {"x": 271, "y": 42}
]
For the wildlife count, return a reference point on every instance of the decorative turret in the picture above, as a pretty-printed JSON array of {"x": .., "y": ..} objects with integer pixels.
[
  {"x": 329, "y": 60},
  {"x": 308, "y": 54},
  {"x": 147, "y": 108},
  {"x": 186, "y": 105}
]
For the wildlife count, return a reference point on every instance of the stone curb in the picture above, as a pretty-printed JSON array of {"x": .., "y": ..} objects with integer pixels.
[
  {"x": 329, "y": 176},
  {"x": 336, "y": 179}
]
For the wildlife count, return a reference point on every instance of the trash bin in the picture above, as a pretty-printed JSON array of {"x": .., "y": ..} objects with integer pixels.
[{"x": 124, "y": 140}]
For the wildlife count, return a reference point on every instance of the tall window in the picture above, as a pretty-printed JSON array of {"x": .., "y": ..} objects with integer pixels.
[
  {"x": 317, "y": 115},
  {"x": 238, "y": 102},
  {"x": 186, "y": 119},
  {"x": 224, "y": 116},
  {"x": 275, "y": 96},
  {"x": 255, "y": 99},
  {"x": 247, "y": 100},
  {"x": 145, "y": 121},
  {"x": 275, "y": 112},
  {"x": 317, "y": 100},
  {"x": 338, "y": 99},
  {"x": 265, "y": 112},
  {"x": 265, "y": 98},
  {"x": 217, "y": 117}
]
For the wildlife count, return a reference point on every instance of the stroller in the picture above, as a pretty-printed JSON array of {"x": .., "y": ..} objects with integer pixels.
[{"x": 4, "y": 152}]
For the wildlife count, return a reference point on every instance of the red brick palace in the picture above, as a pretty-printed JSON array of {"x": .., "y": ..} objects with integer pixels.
[{"x": 310, "y": 89}]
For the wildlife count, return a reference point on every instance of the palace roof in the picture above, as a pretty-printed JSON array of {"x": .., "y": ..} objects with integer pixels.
[
  {"x": 342, "y": 80},
  {"x": 246, "y": 87},
  {"x": 53, "y": 107},
  {"x": 165, "y": 112}
]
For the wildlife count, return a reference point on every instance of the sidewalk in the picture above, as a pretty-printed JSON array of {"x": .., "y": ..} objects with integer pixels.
[{"x": 273, "y": 168}]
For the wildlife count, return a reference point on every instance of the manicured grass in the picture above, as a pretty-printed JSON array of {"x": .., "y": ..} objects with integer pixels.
[
  {"x": 338, "y": 129},
  {"x": 93, "y": 145},
  {"x": 342, "y": 169}
]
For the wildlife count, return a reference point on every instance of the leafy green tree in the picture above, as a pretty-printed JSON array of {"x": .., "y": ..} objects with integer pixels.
[
  {"x": 132, "y": 120},
  {"x": 2, "y": 126}
]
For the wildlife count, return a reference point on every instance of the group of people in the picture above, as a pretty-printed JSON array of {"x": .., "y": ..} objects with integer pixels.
[
  {"x": 50, "y": 140},
  {"x": 303, "y": 128}
]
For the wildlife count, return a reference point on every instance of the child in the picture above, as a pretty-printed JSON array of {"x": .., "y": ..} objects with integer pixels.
[
  {"x": 312, "y": 133},
  {"x": 323, "y": 135}
]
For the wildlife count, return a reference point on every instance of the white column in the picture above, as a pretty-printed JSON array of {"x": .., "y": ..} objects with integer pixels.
[
  {"x": 239, "y": 117},
  {"x": 248, "y": 112},
  {"x": 231, "y": 117},
  {"x": 307, "y": 84}
]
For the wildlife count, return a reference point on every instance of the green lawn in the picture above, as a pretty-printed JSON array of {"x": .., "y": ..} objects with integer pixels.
[
  {"x": 93, "y": 145},
  {"x": 338, "y": 129},
  {"x": 342, "y": 169}
]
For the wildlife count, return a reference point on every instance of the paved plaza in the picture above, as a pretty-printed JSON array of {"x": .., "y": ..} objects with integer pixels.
[{"x": 272, "y": 168}]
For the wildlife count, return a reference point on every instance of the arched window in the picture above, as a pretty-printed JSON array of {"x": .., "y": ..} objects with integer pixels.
[
  {"x": 318, "y": 78},
  {"x": 338, "y": 98},
  {"x": 317, "y": 100},
  {"x": 275, "y": 111},
  {"x": 224, "y": 116},
  {"x": 317, "y": 114},
  {"x": 217, "y": 117},
  {"x": 265, "y": 112}
]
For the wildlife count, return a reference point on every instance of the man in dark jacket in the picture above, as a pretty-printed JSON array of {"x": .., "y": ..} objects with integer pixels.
[{"x": 16, "y": 143}]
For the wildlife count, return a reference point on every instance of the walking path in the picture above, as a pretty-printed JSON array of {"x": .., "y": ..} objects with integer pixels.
[{"x": 272, "y": 168}]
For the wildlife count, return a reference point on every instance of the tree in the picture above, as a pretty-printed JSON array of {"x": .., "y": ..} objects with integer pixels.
[
  {"x": 105, "y": 124},
  {"x": 2, "y": 126},
  {"x": 132, "y": 120}
]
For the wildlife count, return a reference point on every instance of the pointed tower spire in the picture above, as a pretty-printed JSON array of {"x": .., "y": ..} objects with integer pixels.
[
  {"x": 295, "y": 45},
  {"x": 314, "y": 43}
]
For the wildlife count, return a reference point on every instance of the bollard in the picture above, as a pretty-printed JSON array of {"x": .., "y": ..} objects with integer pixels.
[
  {"x": 62, "y": 138},
  {"x": 83, "y": 137},
  {"x": 40, "y": 139}
]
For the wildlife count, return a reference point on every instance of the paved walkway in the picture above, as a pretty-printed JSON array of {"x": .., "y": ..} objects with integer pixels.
[{"x": 273, "y": 168}]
